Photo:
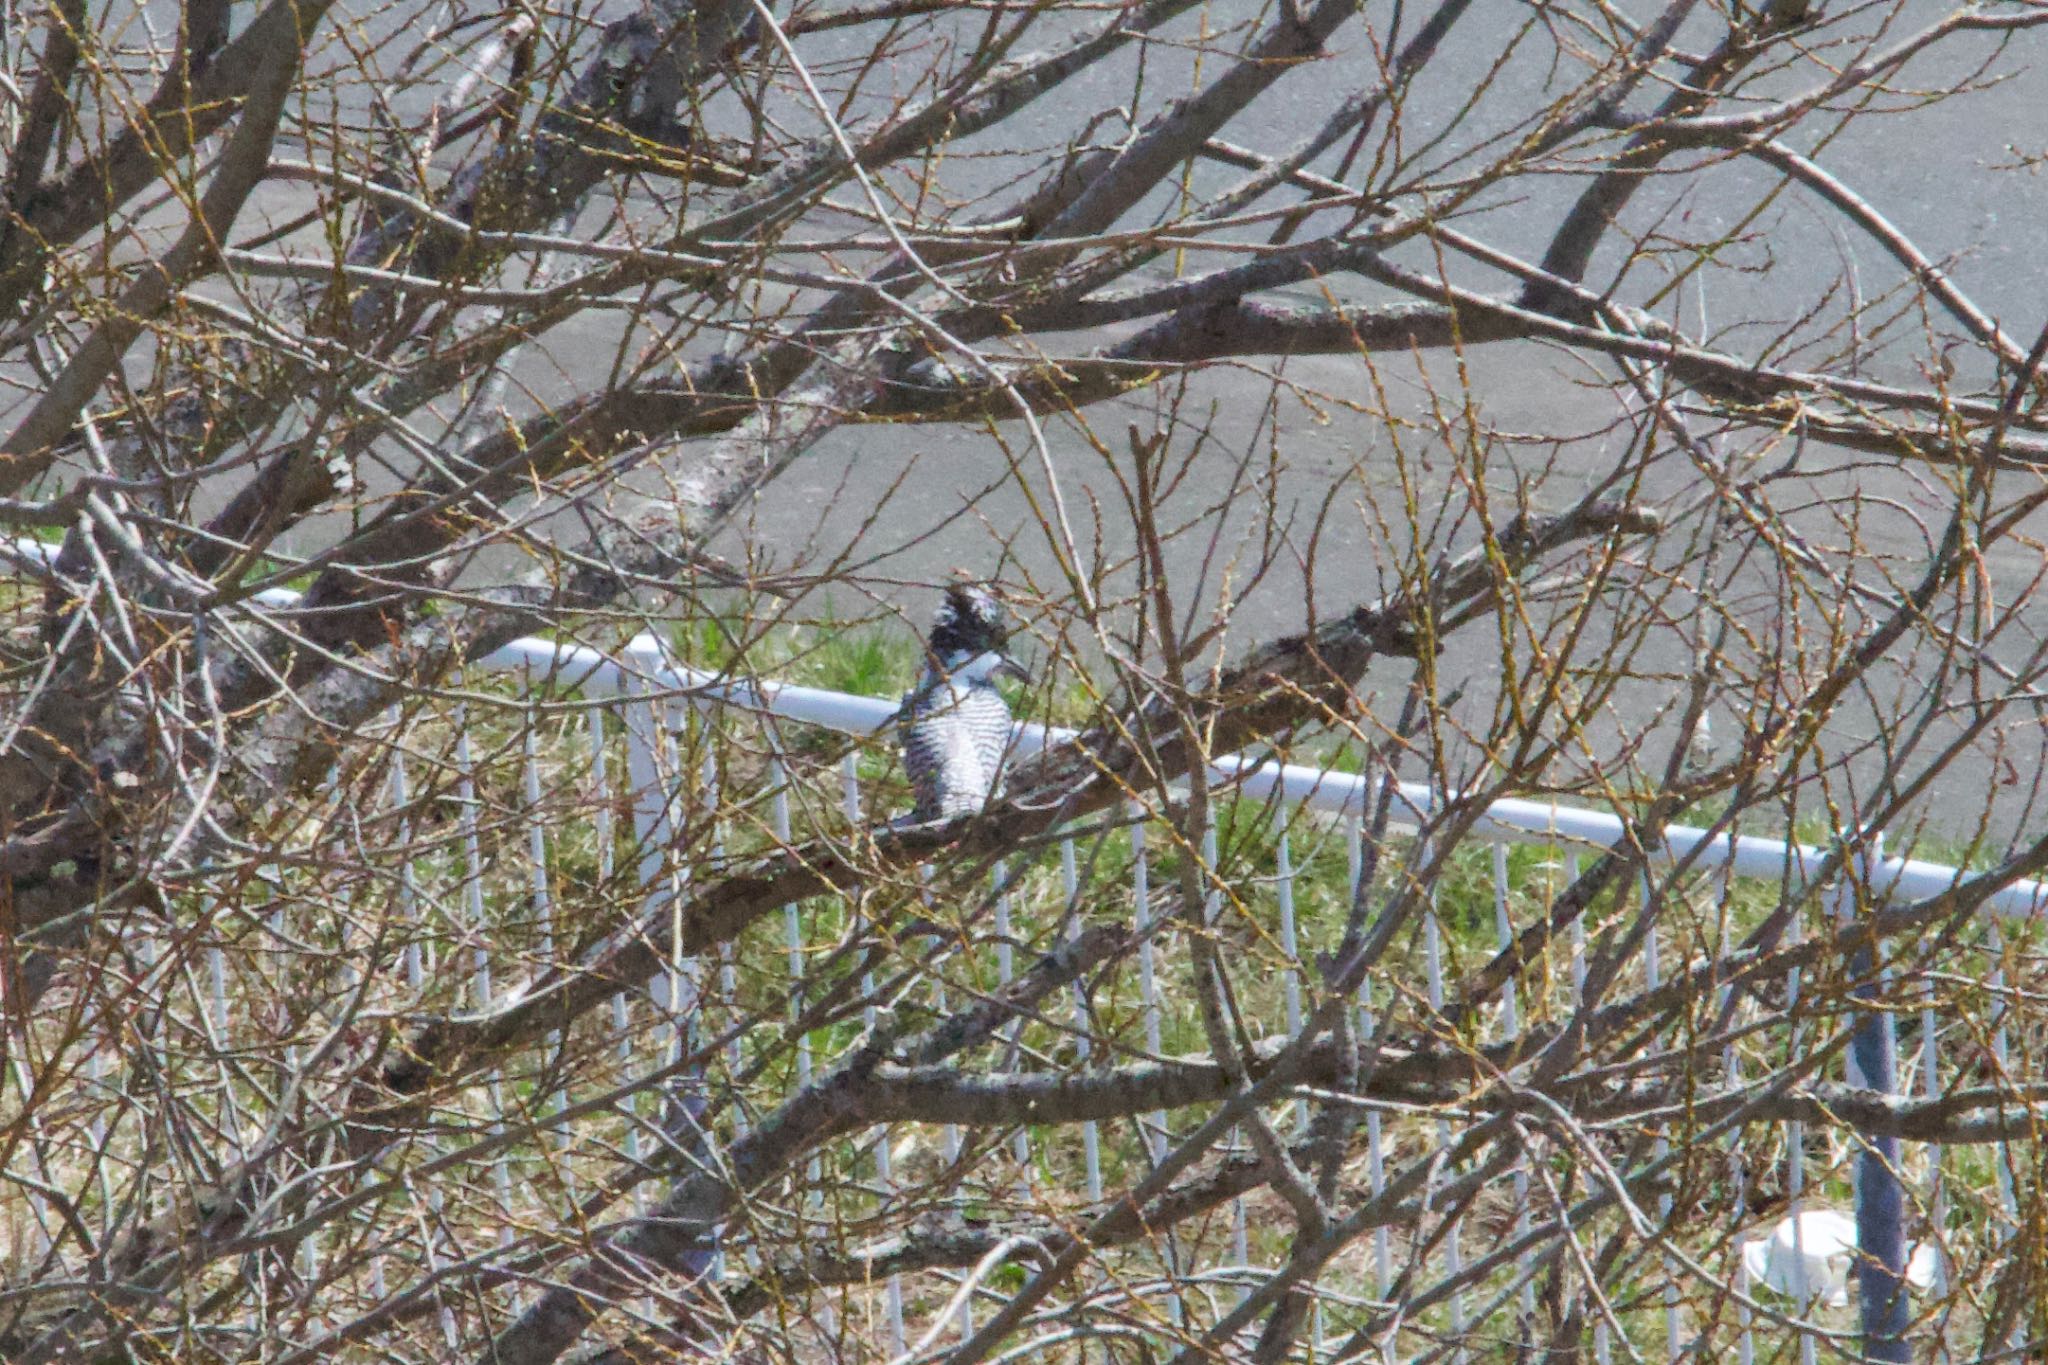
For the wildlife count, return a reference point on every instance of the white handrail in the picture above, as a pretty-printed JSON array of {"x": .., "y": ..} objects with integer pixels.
[{"x": 645, "y": 661}]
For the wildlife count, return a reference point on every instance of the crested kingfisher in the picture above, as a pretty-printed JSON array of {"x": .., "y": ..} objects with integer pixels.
[{"x": 954, "y": 725}]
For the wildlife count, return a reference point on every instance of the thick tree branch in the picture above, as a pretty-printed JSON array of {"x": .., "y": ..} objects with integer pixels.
[
  {"x": 176, "y": 119},
  {"x": 27, "y": 452}
]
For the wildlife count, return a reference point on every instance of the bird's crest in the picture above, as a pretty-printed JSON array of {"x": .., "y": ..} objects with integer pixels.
[{"x": 969, "y": 621}]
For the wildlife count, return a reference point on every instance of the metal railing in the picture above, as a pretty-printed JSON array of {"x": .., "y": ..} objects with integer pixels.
[
  {"x": 644, "y": 666},
  {"x": 651, "y": 698}
]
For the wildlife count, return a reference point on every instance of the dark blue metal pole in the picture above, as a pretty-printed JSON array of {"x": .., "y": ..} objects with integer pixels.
[{"x": 1880, "y": 1204}]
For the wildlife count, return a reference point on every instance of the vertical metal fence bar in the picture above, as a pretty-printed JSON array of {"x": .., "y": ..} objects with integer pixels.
[
  {"x": 1880, "y": 1201},
  {"x": 1212, "y": 904},
  {"x": 1154, "y": 1123},
  {"x": 272, "y": 882},
  {"x": 728, "y": 963},
  {"x": 1603, "y": 1347},
  {"x": 1290, "y": 941},
  {"x": 151, "y": 992},
  {"x": 1729, "y": 1007},
  {"x": 416, "y": 967},
  {"x": 451, "y": 1333},
  {"x": 650, "y": 747},
  {"x": 949, "y": 1136},
  {"x": 1375, "y": 1145},
  {"x": 408, "y": 875},
  {"x": 639, "y": 717},
  {"x": 1012, "y": 1032},
  {"x": 1354, "y": 856},
  {"x": 1653, "y": 976},
  {"x": 472, "y": 865},
  {"x": 332, "y": 795},
  {"x": 1091, "y": 1134},
  {"x": 1376, "y": 1163},
  {"x": 217, "y": 992},
  {"x": 792, "y": 917},
  {"x": 542, "y": 895},
  {"x": 219, "y": 1022},
  {"x": 1454, "y": 1251},
  {"x": 219, "y": 1036},
  {"x": 1290, "y": 944},
  {"x": 605, "y": 833},
  {"x": 536, "y": 834},
  {"x": 793, "y": 948},
  {"x": 1511, "y": 1029},
  {"x": 685, "y": 989},
  {"x": 478, "y": 930},
  {"x": 849, "y": 799},
  {"x": 1795, "y": 1168},
  {"x": 707, "y": 807},
  {"x": 2001, "y": 1052},
  {"x": 1571, "y": 874},
  {"x": 1937, "y": 1202},
  {"x": 653, "y": 728},
  {"x": 1745, "y": 1341}
]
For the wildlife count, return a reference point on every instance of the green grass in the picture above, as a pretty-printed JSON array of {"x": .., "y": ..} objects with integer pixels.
[{"x": 363, "y": 920}]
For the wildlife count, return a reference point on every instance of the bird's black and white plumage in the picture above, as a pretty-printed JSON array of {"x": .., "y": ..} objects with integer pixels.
[{"x": 955, "y": 725}]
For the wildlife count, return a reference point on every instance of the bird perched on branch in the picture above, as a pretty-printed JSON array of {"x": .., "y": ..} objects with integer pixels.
[{"x": 954, "y": 725}]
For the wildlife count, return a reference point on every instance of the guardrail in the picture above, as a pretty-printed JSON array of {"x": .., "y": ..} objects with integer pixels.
[
  {"x": 645, "y": 663},
  {"x": 645, "y": 685},
  {"x": 1803, "y": 1255}
]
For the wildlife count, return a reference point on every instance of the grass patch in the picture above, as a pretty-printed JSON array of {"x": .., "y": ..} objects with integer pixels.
[{"x": 444, "y": 877}]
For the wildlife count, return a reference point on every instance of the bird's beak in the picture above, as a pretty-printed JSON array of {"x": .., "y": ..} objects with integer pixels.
[{"x": 1008, "y": 665}]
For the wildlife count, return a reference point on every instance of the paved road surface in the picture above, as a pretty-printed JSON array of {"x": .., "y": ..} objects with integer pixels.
[{"x": 1325, "y": 447}]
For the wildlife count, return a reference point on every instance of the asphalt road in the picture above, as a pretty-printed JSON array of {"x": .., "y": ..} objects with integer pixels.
[
  {"x": 1358, "y": 452},
  {"x": 1328, "y": 441}
]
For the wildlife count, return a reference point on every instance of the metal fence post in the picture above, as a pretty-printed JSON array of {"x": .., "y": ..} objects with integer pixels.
[{"x": 1880, "y": 1203}]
